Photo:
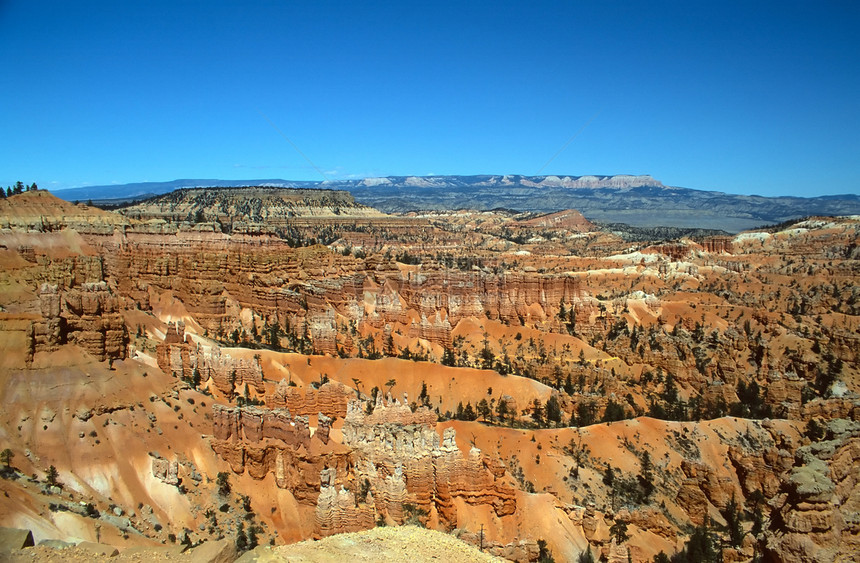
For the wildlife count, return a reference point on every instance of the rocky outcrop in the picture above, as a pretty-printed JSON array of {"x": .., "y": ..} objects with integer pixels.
[
  {"x": 784, "y": 395},
  {"x": 87, "y": 314},
  {"x": 178, "y": 356},
  {"x": 50, "y": 332},
  {"x": 311, "y": 292},
  {"x": 15, "y": 538},
  {"x": 323, "y": 428},
  {"x": 650, "y": 519},
  {"x": 41, "y": 211},
  {"x": 521, "y": 551},
  {"x": 330, "y": 398},
  {"x": 703, "y": 486},
  {"x": 757, "y": 471},
  {"x": 256, "y": 424},
  {"x": 165, "y": 471},
  {"x": 173, "y": 354},
  {"x": 401, "y": 455},
  {"x": 277, "y": 440},
  {"x": 228, "y": 373},
  {"x": 393, "y": 459},
  {"x": 263, "y": 441},
  {"x": 816, "y": 516},
  {"x": 569, "y": 220},
  {"x": 675, "y": 252},
  {"x": 848, "y": 408},
  {"x": 338, "y": 510},
  {"x": 718, "y": 245},
  {"x": 18, "y": 339}
]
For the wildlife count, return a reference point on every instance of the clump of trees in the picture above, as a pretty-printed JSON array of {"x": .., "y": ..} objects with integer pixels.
[
  {"x": 631, "y": 490},
  {"x": 702, "y": 547},
  {"x": 18, "y": 188}
]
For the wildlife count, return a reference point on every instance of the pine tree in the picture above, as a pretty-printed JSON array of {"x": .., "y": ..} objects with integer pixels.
[
  {"x": 733, "y": 522},
  {"x": 484, "y": 409},
  {"x": 51, "y": 476},
  {"x": 423, "y": 397},
  {"x": 701, "y": 547},
  {"x": 502, "y": 410},
  {"x": 241, "y": 538},
  {"x": 7, "y": 454},
  {"x": 758, "y": 522},
  {"x": 646, "y": 475},
  {"x": 223, "y": 483},
  {"x": 568, "y": 385},
  {"x": 537, "y": 412},
  {"x": 609, "y": 477},
  {"x": 553, "y": 410},
  {"x": 544, "y": 554},
  {"x": 252, "y": 537},
  {"x": 618, "y": 530}
]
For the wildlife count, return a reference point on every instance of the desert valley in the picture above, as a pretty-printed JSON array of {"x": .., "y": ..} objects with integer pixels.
[{"x": 241, "y": 369}]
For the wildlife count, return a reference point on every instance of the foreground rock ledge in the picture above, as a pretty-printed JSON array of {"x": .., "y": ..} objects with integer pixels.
[{"x": 392, "y": 544}]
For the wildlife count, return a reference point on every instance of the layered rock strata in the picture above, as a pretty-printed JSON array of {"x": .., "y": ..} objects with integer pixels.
[
  {"x": 816, "y": 515},
  {"x": 262, "y": 441},
  {"x": 330, "y": 398},
  {"x": 401, "y": 455},
  {"x": 177, "y": 355}
]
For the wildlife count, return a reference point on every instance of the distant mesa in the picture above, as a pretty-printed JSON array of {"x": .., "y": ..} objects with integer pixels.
[
  {"x": 569, "y": 219},
  {"x": 636, "y": 200},
  {"x": 271, "y": 206}
]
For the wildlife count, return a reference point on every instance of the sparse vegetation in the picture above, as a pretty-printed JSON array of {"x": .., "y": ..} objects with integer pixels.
[
  {"x": 52, "y": 477},
  {"x": 223, "y": 482},
  {"x": 582, "y": 330}
]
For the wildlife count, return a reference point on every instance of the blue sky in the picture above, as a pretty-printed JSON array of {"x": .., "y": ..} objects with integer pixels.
[{"x": 746, "y": 97}]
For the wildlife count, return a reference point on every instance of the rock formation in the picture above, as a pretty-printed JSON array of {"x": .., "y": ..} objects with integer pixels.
[
  {"x": 178, "y": 356},
  {"x": 165, "y": 471},
  {"x": 401, "y": 455},
  {"x": 816, "y": 516},
  {"x": 330, "y": 398},
  {"x": 733, "y": 362}
]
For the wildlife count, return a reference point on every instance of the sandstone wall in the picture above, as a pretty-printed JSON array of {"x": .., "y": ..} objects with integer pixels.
[
  {"x": 177, "y": 355},
  {"x": 330, "y": 399},
  {"x": 401, "y": 455},
  {"x": 816, "y": 516}
]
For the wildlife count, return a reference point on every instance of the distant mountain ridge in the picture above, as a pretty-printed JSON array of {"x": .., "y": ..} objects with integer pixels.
[
  {"x": 638, "y": 200},
  {"x": 510, "y": 180},
  {"x": 139, "y": 190}
]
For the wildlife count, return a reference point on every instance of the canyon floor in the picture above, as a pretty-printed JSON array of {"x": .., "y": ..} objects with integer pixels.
[{"x": 261, "y": 367}]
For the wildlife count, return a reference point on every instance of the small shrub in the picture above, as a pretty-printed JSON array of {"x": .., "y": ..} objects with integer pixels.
[{"x": 223, "y": 481}]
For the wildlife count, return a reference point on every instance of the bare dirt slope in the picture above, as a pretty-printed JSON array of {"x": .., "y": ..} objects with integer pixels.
[
  {"x": 379, "y": 545},
  {"x": 382, "y": 545}
]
